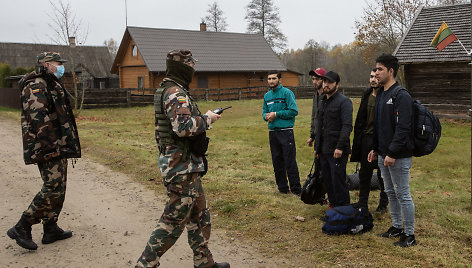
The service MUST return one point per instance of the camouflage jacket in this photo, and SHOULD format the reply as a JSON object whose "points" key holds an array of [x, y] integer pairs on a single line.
{"points": [[47, 122], [186, 122]]}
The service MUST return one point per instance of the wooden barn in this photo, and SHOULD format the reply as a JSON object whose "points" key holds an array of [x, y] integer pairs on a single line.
{"points": [[225, 60], [440, 79], [91, 63]]}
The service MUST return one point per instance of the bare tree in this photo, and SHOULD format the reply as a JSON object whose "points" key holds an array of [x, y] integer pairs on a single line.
{"points": [[112, 46], [215, 20], [68, 31], [65, 24], [263, 17]]}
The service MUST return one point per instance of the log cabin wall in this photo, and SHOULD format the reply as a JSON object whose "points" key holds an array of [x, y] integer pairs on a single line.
{"points": [[445, 87]]}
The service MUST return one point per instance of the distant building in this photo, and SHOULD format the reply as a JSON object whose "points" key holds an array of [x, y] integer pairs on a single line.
{"points": [[440, 79], [92, 64], [226, 60]]}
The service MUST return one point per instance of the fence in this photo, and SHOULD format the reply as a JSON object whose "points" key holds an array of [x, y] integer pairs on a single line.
{"points": [[10, 97], [125, 97]]}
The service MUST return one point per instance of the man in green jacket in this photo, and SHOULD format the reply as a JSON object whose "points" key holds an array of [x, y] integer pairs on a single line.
{"points": [[50, 137], [280, 110]]}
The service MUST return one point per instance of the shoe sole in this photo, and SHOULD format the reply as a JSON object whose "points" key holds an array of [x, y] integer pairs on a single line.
{"points": [[13, 236]]}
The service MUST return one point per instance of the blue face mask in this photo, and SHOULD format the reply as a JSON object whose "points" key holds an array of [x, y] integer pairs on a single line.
{"points": [[60, 71]]}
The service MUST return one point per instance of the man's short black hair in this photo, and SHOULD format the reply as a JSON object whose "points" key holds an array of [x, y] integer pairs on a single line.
{"points": [[389, 61], [374, 69], [279, 74]]}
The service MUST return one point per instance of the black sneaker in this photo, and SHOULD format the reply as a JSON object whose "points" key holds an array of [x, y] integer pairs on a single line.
{"points": [[392, 232], [406, 241]]}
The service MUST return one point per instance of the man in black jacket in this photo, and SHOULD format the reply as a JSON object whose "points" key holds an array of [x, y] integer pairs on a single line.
{"points": [[362, 144], [393, 145], [332, 142]]}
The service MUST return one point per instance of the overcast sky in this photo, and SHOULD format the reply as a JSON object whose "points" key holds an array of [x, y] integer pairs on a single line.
{"points": [[26, 21]]}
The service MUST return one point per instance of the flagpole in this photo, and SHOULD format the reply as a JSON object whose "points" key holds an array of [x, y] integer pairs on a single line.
{"points": [[468, 53]]}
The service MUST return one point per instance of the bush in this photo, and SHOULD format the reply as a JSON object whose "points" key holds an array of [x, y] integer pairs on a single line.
{"points": [[5, 71]]}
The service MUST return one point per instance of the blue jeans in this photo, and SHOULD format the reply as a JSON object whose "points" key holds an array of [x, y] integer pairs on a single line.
{"points": [[397, 187]]}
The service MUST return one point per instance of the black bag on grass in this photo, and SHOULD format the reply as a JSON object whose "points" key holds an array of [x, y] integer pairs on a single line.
{"points": [[313, 190], [353, 180], [347, 220]]}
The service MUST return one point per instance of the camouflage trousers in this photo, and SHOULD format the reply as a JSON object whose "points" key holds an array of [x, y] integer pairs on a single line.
{"points": [[47, 204], [186, 207]]}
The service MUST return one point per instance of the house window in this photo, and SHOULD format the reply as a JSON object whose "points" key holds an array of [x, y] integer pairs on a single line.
{"points": [[261, 79], [102, 84], [135, 51], [202, 82], [140, 82]]}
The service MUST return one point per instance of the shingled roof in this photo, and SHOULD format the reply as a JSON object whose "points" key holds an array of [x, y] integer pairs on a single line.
{"points": [[415, 45], [97, 60], [216, 51]]}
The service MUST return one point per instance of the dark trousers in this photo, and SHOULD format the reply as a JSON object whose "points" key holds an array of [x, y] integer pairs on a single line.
{"points": [[284, 160], [334, 176], [365, 174]]}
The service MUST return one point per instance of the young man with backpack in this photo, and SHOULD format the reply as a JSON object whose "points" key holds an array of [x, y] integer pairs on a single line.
{"points": [[393, 146]]}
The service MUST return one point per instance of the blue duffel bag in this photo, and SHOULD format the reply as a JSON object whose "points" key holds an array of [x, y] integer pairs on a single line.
{"points": [[347, 220]]}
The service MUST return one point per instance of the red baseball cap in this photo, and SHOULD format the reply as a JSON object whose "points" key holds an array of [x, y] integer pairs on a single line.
{"points": [[319, 72]]}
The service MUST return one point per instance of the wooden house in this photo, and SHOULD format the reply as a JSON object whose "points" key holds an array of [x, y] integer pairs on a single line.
{"points": [[225, 60], [91, 63], [440, 79]]}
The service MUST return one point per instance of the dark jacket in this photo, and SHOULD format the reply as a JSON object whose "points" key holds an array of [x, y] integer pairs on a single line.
{"points": [[359, 126], [314, 114], [47, 122], [393, 130], [334, 124]]}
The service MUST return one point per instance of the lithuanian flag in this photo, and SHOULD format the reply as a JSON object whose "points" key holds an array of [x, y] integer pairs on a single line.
{"points": [[443, 37]]}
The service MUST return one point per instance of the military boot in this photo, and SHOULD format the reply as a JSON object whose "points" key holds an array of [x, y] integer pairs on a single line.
{"points": [[220, 265], [21, 232], [52, 233]]}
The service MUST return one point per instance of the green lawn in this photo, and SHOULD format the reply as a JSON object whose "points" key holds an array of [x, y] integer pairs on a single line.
{"points": [[244, 200]]}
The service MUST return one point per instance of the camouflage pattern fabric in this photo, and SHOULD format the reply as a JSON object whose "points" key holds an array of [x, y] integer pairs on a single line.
{"points": [[47, 122], [47, 204], [50, 56], [181, 55], [186, 207], [186, 122]]}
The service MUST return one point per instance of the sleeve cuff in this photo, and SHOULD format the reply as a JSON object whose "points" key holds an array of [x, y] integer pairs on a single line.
{"points": [[207, 120]]}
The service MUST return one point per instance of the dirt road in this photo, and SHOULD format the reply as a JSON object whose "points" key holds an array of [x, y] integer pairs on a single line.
{"points": [[110, 215]]}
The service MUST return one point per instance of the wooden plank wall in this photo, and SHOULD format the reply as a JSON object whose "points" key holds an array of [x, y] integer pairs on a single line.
{"points": [[443, 87]]}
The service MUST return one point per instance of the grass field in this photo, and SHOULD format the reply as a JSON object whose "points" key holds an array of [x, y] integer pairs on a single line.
{"points": [[244, 200]]}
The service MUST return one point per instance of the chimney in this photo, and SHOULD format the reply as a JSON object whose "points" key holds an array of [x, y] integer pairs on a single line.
{"points": [[203, 27], [71, 41]]}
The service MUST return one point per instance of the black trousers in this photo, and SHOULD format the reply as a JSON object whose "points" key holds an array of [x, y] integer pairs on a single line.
{"points": [[365, 174], [334, 176], [284, 160]]}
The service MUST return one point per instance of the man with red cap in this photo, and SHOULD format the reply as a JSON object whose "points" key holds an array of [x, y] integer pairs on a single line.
{"points": [[316, 77]]}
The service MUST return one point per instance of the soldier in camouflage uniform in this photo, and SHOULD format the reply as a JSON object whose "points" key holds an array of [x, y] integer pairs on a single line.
{"points": [[49, 138], [179, 128]]}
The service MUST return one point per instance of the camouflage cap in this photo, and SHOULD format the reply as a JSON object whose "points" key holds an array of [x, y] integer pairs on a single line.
{"points": [[50, 56], [181, 55]]}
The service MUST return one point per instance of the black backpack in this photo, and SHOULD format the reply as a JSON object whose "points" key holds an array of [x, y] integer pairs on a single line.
{"points": [[427, 128], [313, 190]]}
